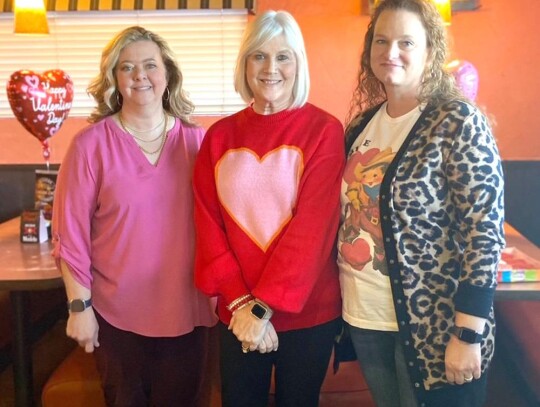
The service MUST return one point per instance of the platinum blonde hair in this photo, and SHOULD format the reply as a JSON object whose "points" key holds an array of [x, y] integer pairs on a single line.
{"points": [[264, 28]]}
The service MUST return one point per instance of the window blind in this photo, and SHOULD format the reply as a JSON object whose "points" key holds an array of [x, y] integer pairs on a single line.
{"points": [[94, 5], [206, 43]]}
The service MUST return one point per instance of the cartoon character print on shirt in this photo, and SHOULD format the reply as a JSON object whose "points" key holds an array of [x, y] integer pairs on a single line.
{"points": [[363, 176]]}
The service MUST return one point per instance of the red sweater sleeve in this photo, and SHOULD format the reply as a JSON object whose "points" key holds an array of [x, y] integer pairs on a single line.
{"points": [[307, 243], [217, 271]]}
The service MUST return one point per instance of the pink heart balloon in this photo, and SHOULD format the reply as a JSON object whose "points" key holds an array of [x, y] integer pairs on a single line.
{"points": [[40, 102], [466, 77]]}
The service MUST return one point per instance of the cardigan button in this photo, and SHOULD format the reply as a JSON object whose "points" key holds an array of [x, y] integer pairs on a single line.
{"points": [[391, 261]]}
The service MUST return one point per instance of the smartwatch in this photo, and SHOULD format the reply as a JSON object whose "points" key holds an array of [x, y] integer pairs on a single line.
{"points": [[79, 305], [466, 334], [260, 311]]}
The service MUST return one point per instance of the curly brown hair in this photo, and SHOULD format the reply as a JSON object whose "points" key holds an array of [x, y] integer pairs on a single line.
{"points": [[438, 85]]}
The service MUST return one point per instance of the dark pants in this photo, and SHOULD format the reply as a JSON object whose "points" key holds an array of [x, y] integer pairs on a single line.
{"points": [[300, 365], [144, 371], [466, 395]]}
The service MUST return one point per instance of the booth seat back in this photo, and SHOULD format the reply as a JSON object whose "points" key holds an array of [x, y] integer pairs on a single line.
{"points": [[519, 329], [75, 383]]}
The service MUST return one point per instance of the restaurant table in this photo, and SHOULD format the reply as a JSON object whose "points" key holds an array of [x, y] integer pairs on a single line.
{"points": [[24, 267], [522, 291]]}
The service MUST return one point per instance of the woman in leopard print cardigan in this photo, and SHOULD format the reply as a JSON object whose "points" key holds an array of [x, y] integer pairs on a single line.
{"points": [[422, 219]]}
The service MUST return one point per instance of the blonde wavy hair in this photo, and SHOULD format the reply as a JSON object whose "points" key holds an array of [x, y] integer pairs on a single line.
{"points": [[103, 88]]}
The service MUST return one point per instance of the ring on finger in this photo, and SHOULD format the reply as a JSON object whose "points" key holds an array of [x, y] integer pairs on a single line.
{"points": [[468, 379], [245, 349]]}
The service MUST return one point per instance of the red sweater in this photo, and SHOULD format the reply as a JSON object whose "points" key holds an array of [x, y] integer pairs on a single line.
{"points": [[267, 211]]}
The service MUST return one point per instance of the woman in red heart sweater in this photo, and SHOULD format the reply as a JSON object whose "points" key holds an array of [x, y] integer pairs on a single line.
{"points": [[267, 182]]}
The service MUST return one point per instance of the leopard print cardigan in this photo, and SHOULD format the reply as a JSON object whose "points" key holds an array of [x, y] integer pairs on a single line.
{"points": [[442, 215]]}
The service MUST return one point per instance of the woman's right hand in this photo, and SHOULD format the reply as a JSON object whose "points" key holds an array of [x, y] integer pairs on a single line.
{"points": [[83, 328]]}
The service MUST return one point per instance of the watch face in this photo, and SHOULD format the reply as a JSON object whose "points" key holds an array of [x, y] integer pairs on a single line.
{"points": [[79, 305], [258, 310], [76, 306]]}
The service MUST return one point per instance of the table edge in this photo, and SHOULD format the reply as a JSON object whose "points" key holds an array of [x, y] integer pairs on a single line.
{"points": [[31, 285]]}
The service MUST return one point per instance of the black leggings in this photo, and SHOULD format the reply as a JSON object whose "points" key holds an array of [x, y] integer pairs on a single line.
{"points": [[300, 365]]}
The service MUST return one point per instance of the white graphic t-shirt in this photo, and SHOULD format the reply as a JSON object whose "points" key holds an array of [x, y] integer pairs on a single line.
{"points": [[365, 285]]}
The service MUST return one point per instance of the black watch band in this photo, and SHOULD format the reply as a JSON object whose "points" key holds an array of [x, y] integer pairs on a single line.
{"points": [[79, 305], [466, 334]]}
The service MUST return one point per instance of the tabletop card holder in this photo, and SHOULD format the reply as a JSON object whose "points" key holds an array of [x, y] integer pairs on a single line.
{"points": [[45, 186], [33, 227]]}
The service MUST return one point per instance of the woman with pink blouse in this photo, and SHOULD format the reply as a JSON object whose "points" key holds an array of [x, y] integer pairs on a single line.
{"points": [[123, 229]]}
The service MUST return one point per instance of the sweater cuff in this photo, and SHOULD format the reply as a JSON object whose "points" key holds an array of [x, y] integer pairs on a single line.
{"points": [[474, 300]]}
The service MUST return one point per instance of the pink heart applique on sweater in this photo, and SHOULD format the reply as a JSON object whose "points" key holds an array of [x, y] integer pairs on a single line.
{"points": [[260, 193]]}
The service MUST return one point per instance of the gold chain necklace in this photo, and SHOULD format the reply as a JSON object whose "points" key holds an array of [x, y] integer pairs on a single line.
{"points": [[130, 131], [163, 136]]}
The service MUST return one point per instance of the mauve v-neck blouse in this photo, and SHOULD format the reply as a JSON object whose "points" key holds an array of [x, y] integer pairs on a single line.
{"points": [[125, 228]]}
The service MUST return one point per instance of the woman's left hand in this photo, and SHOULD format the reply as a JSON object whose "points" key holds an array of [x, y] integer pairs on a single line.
{"points": [[462, 361], [270, 341], [248, 329]]}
